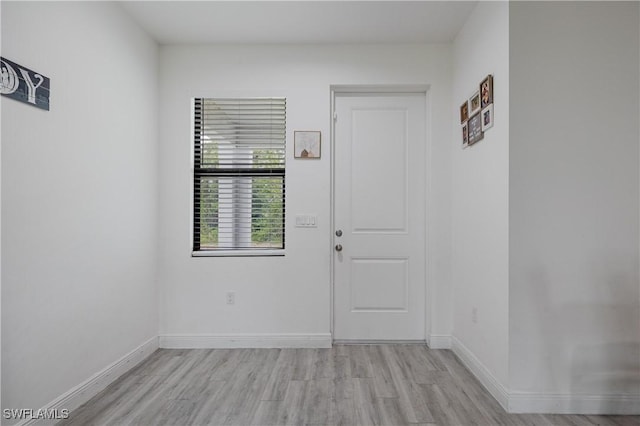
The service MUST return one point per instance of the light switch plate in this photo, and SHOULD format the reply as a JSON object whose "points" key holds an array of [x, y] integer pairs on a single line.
{"points": [[306, 221]]}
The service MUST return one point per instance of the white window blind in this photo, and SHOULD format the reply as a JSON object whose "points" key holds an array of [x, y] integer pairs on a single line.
{"points": [[239, 174]]}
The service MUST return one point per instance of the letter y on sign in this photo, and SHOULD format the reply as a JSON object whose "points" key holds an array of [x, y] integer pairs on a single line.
{"points": [[24, 85]]}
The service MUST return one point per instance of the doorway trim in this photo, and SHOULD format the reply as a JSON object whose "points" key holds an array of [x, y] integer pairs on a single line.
{"points": [[345, 90]]}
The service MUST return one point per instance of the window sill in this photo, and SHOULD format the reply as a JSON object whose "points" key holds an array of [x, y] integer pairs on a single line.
{"points": [[239, 253]]}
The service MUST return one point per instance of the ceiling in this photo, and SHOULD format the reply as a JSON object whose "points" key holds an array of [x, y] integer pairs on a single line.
{"points": [[288, 22]]}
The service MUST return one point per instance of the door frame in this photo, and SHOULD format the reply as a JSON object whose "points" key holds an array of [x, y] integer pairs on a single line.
{"points": [[359, 90]]}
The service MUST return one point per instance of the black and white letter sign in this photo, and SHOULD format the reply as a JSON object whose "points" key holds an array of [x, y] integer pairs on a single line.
{"points": [[23, 84]]}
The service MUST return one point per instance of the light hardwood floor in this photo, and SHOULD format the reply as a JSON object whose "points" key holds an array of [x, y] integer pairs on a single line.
{"points": [[345, 385]]}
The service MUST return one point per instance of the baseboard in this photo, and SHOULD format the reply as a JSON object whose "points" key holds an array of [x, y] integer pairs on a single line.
{"points": [[439, 341], [377, 342], [546, 403], [482, 373], [220, 341], [555, 403], [86, 390]]}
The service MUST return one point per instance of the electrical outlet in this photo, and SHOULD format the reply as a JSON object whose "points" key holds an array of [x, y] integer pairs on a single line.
{"points": [[474, 315], [231, 298]]}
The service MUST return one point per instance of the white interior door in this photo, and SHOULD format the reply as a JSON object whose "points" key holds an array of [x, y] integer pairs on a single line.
{"points": [[379, 175]]}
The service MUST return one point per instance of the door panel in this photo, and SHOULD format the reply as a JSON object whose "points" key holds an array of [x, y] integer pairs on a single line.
{"points": [[379, 285], [379, 275], [379, 170]]}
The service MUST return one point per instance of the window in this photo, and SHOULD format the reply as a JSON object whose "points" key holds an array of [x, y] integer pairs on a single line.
{"points": [[239, 171]]}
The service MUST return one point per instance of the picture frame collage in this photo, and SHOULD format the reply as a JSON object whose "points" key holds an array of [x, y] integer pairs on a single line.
{"points": [[476, 113]]}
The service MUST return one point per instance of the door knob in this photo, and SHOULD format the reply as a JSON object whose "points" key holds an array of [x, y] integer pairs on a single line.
{"points": [[339, 247], [339, 233]]}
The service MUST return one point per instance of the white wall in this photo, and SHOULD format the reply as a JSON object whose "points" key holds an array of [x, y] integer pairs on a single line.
{"points": [[574, 295], [79, 198], [288, 294], [480, 194], [0, 233]]}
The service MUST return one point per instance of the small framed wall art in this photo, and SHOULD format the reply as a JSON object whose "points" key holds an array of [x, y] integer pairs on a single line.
{"points": [[464, 112], [474, 103], [486, 92], [487, 117], [465, 135], [306, 144], [474, 126]]}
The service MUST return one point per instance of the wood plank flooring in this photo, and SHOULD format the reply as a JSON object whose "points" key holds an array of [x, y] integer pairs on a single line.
{"points": [[345, 385]]}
